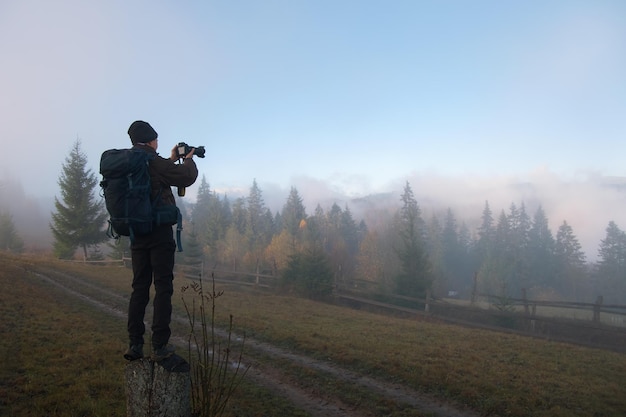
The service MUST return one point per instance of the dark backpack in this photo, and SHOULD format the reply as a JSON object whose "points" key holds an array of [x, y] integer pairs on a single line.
{"points": [[126, 190]]}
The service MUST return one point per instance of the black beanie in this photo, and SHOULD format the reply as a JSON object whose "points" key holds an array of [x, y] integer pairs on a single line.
{"points": [[141, 132]]}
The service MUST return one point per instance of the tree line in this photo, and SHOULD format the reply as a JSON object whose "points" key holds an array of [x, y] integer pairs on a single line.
{"points": [[402, 253]]}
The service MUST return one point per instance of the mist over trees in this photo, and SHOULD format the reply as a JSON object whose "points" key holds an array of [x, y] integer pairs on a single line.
{"points": [[24, 215], [405, 254], [391, 248]]}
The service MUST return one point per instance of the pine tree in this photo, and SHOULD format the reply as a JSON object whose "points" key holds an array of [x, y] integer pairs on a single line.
{"points": [[293, 213], [453, 255], [541, 251], [519, 227], [239, 215], [218, 221], [486, 232], [200, 211], [80, 217], [612, 264], [570, 262], [9, 239], [349, 232], [193, 255], [315, 231], [369, 262], [414, 278], [499, 271], [257, 227], [334, 243], [309, 273], [435, 249]]}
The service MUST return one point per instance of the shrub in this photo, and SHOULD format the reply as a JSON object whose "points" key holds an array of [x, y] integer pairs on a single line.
{"points": [[309, 274]]}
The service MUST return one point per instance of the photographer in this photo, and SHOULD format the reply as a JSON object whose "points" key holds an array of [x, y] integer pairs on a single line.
{"points": [[153, 254]]}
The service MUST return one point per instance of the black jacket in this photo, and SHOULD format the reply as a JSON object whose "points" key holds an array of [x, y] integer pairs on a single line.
{"points": [[165, 173]]}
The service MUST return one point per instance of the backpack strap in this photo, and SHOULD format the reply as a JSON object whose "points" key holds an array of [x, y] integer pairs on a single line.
{"points": [[111, 233], [179, 229]]}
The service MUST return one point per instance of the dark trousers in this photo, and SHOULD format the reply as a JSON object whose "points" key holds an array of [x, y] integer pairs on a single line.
{"points": [[153, 257]]}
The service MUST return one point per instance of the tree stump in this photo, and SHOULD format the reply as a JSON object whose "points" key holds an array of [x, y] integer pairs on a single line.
{"points": [[160, 389]]}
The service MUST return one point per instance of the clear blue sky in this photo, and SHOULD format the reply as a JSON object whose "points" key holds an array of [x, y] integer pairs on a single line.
{"points": [[357, 95]]}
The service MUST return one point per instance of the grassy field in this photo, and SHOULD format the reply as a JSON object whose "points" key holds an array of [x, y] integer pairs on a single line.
{"points": [[57, 357], [62, 357]]}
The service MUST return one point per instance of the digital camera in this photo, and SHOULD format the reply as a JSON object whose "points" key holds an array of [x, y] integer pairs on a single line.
{"points": [[183, 149]]}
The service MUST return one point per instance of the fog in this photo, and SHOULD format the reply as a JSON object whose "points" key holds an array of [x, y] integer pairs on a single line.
{"points": [[587, 201]]}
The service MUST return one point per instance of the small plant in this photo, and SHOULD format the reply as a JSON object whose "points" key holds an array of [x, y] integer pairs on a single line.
{"points": [[504, 303], [212, 382]]}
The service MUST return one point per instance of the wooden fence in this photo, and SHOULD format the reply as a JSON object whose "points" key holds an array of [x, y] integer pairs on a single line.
{"points": [[600, 322]]}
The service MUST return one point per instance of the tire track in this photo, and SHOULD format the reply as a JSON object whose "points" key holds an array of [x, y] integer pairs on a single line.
{"points": [[263, 374]]}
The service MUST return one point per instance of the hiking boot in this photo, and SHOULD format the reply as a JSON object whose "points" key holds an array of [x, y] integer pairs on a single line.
{"points": [[134, 352], [164, 352]]}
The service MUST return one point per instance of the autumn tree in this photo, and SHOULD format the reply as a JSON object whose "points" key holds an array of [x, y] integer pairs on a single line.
{"points": [[280, 249], [80, 217]]}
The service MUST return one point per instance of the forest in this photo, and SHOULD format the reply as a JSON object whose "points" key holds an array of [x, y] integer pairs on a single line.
{"points": [[394, 250]]}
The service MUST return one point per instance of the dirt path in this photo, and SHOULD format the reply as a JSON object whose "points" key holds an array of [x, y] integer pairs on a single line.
{"points": [[263, 373]]}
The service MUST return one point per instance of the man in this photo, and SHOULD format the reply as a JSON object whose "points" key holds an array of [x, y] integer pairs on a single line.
{"points": [[153, 254]]}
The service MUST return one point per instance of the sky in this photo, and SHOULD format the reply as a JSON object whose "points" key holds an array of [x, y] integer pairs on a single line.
{"points": [[464, 99]]}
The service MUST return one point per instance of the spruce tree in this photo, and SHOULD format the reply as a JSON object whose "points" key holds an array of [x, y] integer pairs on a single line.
{"points": [[414, 278], [570, 276], [293, 213], [200, 211], [9, 239], [486, 234], [80, 217], [349, 231], [541, 251], [309, 273], [612, 264], [257, 227]]}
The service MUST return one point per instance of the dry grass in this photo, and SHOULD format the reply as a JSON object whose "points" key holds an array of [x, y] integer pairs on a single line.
{"points": [[493, 373], [60, 357], [489, 371], [56, 357]]}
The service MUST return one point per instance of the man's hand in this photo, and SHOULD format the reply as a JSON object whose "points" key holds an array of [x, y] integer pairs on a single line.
{"points": [[174, 154]]}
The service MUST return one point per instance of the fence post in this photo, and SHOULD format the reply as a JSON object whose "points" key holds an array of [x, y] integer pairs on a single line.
{"points": [[257, 273], [427, 305], [525, 301], [474, 287], [596, 309]]}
